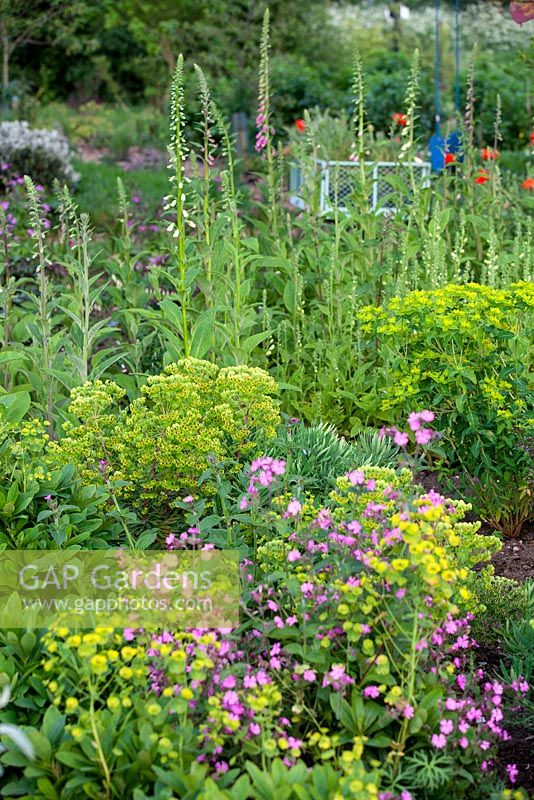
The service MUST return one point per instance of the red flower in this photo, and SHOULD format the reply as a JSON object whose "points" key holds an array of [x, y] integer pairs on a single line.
{"points": [[528, 184], [399, 119], [300, 125], [489, 154], [532, 137], [450, 158], [482, 177]]}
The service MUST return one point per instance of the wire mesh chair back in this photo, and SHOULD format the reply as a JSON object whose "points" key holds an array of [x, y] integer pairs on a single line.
{"points": [[338, 180]]}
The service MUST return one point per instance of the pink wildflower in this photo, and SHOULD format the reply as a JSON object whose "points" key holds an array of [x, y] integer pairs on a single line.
{"points": [[293, 508], [439, 741]]}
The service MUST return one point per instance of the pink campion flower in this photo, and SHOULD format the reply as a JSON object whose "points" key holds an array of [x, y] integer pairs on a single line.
{"points": [[520, 685], [337, 677], [401, 438], [461, 680], [424, 435], [307, 588], [446, 726], [254, 729], [416, 418], [189, 499], [513, 772], [309, 675], [408, 711], [406, 795], [354, 526], [371, 691], [464, 742], [413, 421], [128, 634], [323, 519], [229, 682], [170, 541], [293, 555], [438, 741], [356, 477], [243, 504], [293, 508]]}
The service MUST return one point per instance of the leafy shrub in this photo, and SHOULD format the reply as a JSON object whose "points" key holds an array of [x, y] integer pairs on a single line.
{"points": [[352, 662], [518, 643], [505, 601], [463, 351], [157, 447], [42, 507], [44, 155], [13, 733], [316, 455]]}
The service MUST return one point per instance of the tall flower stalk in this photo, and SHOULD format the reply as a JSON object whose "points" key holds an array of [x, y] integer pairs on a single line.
{"points": [[229, 201], [178, 152], [208, 160], [358, 91], [226, 145], [43, 318], [7, 290], [126, 239], [408, 131], [263, 118]]}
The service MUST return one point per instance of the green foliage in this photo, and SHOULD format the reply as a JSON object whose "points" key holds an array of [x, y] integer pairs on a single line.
{"points": [[464, 352], [156, 449], [503, 601], [518, 663], [316, 455], [42, 507]]}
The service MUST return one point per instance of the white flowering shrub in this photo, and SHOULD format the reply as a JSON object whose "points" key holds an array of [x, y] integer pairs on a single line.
{"points": [[41, 154]]}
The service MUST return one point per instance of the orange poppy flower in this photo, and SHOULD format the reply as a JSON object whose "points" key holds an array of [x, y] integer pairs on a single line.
{"points": [[400, 119]]}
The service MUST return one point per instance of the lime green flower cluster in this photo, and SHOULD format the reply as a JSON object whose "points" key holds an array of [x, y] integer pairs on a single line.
{"points": [[464, 352], [21, 450], [157, 447]]}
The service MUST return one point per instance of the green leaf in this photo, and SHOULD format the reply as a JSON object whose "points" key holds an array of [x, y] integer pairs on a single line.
{"points": [[14, 406], [47, 789], [202, 335]]}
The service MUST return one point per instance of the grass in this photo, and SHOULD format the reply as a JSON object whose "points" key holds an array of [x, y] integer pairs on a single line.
{"points": [[97, 191]]}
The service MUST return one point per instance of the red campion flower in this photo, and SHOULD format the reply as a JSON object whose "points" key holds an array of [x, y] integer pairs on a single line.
{"points": [[528, 184], [399, 119], [300, 125], [532, 138], [489, 154], [482, 177], [450, 158]]}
